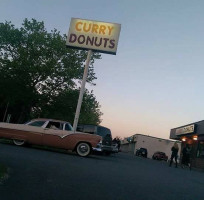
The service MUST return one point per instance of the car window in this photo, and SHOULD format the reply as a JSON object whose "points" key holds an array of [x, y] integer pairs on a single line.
{"points": [[37, 123], [80, 128], [102, 131], [68, 127], [89, 129], [54, 125]]}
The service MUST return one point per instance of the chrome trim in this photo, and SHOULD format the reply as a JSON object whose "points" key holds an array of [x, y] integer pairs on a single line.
{"points": [[96, 149]]}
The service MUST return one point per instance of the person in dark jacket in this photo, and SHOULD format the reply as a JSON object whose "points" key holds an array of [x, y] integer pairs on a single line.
{"points": [[118, 142], [174, 154], [186, 156]]}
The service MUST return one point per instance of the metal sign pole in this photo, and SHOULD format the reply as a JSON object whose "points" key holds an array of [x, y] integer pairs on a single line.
{"points": [[82, 90]]}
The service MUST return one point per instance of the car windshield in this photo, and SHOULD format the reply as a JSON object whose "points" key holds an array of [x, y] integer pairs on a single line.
{"points": [[68, 127]]}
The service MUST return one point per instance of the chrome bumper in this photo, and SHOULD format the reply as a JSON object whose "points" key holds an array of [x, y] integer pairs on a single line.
{"points": [[96, 149], [106, 148], [102, 148]]}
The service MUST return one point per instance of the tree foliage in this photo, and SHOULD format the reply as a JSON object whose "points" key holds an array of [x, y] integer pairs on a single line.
{"points": [[66, 103], [38, 72]]}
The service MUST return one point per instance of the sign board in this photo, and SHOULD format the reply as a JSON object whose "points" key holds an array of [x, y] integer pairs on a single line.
{"points": [[185, 130], [93, 35]]}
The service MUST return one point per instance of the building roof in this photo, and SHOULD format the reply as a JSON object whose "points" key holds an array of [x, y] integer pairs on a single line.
{"points": [[126, 141], [198, 122]]}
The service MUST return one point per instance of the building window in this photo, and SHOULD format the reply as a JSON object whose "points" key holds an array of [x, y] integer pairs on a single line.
{"points": [[200, 152]]}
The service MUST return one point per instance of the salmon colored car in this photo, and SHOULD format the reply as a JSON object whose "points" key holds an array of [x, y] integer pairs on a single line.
{"points": [[49, 132]]}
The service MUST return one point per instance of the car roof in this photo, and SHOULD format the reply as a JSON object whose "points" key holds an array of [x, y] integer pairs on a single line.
{"points": [[46, 119], [92, 125]]}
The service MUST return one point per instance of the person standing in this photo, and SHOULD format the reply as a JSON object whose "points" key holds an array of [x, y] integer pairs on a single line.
{"points": [[186, 156], [118, 142], [174, 154]]}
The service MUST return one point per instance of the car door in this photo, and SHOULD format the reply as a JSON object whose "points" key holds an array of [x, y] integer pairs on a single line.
{"points": [[69, 138], [53, 135], [35, 132]]}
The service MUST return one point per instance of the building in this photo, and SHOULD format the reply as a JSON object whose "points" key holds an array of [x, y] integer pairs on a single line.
{"points": [[192, 134], [152, 144]]}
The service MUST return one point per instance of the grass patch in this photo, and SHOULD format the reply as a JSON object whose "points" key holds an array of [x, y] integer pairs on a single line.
{"points": [[3, 171]]}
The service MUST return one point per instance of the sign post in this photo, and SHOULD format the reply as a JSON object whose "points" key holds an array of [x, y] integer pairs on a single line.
{"points": [[92, 36], [86, 69]]}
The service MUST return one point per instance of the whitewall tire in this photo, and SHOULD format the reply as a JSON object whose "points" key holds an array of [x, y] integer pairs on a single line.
{"points": [[18, 142], [83, 149]]}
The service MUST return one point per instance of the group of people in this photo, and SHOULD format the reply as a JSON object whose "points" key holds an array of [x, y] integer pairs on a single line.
{"points": [[185, 155]]}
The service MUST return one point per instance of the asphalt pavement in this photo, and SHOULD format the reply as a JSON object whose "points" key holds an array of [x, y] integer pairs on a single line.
{"points": [[36, 174]]}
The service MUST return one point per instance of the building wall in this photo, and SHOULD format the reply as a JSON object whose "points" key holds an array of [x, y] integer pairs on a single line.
{"points": [[153, 144]]}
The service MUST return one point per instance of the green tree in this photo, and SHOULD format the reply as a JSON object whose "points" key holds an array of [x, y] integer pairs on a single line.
{"points": [[66, 103], [36, 68]]}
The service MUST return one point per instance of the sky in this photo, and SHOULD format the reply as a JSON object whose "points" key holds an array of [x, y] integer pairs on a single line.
{"points": [[156, 80]]}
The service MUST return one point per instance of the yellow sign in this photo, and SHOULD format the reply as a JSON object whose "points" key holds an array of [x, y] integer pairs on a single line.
{"points": [[94, 35]]}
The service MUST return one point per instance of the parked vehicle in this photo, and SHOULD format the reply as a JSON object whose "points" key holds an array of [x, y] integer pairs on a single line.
{"points": [[141, 152], [160, 156], [105, 133], [49, 132]]}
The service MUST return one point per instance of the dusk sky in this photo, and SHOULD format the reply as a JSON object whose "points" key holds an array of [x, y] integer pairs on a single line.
{"points": [[156, 80]]}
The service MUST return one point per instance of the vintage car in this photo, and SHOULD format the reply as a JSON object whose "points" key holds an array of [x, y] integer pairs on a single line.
{"points": [[160, 156], [141, 152], [49, 132], [105, 133]]}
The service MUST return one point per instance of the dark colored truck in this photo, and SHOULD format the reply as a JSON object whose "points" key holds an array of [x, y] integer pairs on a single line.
{"points": [[106, 145]]}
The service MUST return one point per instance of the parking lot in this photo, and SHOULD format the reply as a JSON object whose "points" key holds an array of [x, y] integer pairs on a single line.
{"points": [[41, 174]]}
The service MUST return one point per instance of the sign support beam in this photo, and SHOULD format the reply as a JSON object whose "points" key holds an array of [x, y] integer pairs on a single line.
{"points": [[86, 69]]}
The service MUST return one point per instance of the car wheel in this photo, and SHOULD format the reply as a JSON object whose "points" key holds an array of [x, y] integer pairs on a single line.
{"points": [[83, 149], [19, 142]]}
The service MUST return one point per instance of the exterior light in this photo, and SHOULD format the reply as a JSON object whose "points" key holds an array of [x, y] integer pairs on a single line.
{"points": [[183, 139], [195, 137]]}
